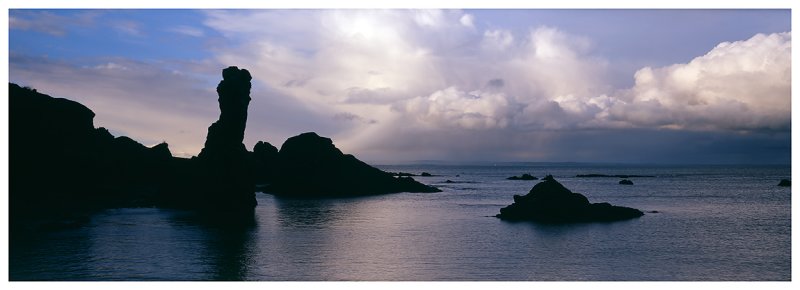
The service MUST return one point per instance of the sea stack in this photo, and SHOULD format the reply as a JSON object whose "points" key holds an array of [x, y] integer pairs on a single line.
{"points": [[229, 179], [226, 134]]}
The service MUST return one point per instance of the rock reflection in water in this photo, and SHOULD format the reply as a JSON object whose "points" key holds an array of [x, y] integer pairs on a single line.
{"points": [[308, 212], [228, 242]]}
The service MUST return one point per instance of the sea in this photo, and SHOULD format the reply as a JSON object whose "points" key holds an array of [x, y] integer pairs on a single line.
{"points": [[701, 223]]}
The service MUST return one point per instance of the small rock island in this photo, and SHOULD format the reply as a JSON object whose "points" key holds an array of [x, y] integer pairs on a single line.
{"points": [[626, 182], [551, 202], [525, 176]]}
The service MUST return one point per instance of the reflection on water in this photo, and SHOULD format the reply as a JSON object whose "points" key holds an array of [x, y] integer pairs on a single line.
{"points": [[228, 241], [730, 225], [307, 212], [141, 244], [321, 213], [52, 255], [314, 239]]}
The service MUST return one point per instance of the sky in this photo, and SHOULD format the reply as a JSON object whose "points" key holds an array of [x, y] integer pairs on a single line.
{"points": [[403, 85]]}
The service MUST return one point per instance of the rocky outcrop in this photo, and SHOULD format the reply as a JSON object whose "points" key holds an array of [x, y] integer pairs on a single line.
{"points": [[265, 159], [221, 176], [551, 202], [402, 174], [311, 166], [525, 176], [85, 167], [626, 182], [60, 164], [225, 136], [785, 183]]}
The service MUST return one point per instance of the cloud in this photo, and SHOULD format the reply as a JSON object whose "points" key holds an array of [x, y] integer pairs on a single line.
{"points": [[343, 57], [467, 20], [431, 83], [188, 31], [430, 17], [496, 83], [48, 22], [349, 117], [432, 74], [353, 59], [741, 85], [470, 110], [131, 28], [497, 39]]}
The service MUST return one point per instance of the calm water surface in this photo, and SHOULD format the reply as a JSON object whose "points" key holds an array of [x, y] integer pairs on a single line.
{"points": [[712, 223]]}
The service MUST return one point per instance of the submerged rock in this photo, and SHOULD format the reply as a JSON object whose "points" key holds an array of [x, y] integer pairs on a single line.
{"points": [[551, 202], [785, 183], [626, 182], [525, 176], [310, 165]]}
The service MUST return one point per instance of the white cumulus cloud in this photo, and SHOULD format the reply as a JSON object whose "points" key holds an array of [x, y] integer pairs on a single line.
{"points": [[741, 85], [467, 20], [471, 110]]}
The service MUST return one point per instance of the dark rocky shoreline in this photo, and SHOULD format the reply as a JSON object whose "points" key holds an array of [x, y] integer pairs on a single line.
{"points": [[60, 165]]}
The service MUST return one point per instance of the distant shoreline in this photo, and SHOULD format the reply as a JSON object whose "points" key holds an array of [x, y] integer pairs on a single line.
{"points": [[569, 164]]}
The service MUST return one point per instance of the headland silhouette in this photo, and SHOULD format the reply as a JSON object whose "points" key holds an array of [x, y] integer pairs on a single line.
{"points": [[61, 165]]}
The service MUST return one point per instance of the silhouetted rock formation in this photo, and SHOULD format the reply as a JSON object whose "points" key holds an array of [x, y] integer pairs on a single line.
{"points": [[59, 164], [265, 158], [425, 174], [525, 176], [226, 134], [550, 202], [311, 166], [626, 182], [401, 174], [606, 175], [221, 177], [785, 183]]}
